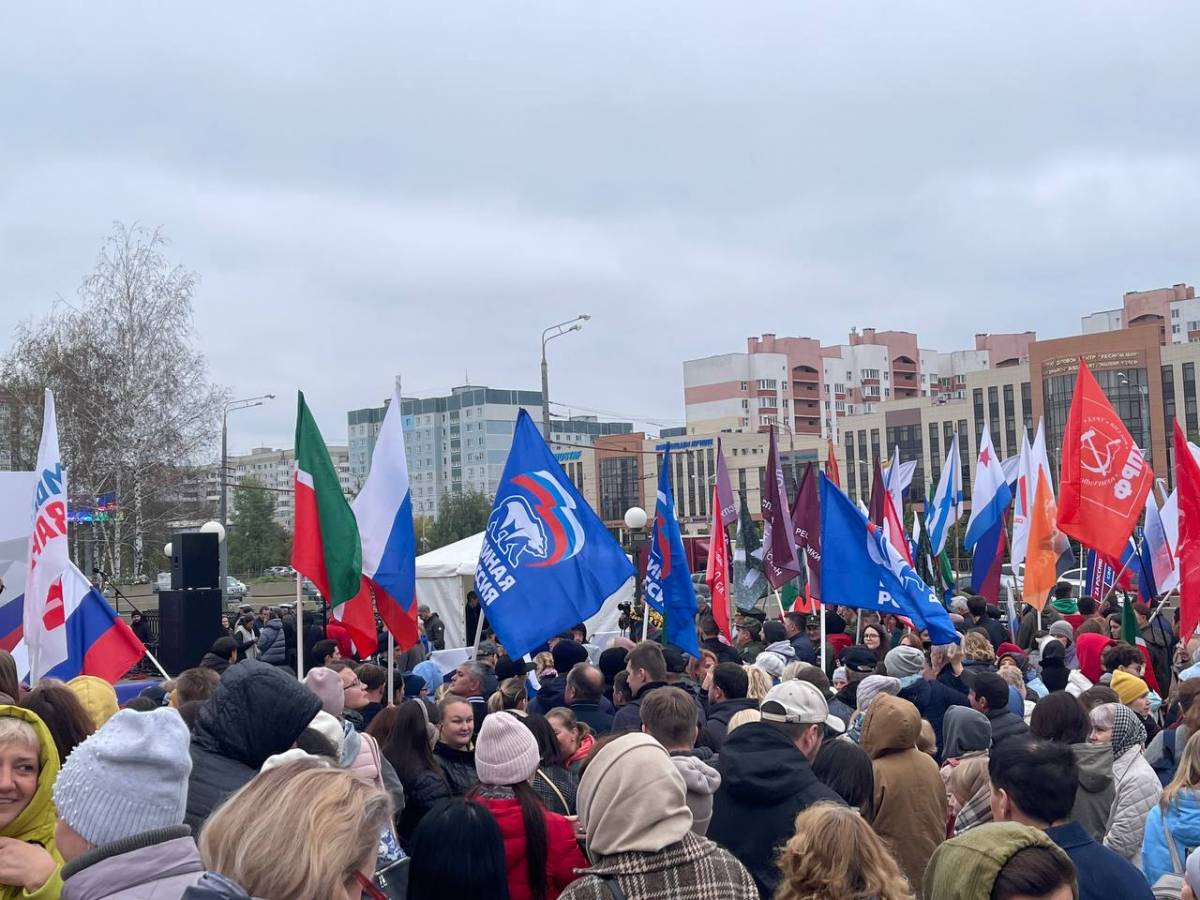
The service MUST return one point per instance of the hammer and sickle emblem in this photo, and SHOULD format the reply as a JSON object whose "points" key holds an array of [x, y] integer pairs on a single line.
{"points": [[1103, 459]]}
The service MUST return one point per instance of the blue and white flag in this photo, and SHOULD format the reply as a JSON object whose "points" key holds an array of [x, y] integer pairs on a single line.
{"points": [[669, 587], [547, 561], [44, 616], [946, 507], [861, 569]]}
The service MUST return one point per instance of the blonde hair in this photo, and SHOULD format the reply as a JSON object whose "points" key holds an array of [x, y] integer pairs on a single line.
{"points": [[927, 740], [543, 661], [1187, 773], [742, 717], [440, 693], [835, 853], [793, 669], [977, 647], [337, 817], [18, 731], [510, 695], [566, 716], [760, 682]]}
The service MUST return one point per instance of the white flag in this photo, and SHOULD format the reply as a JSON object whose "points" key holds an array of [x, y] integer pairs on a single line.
{"points": [[44, 617]]}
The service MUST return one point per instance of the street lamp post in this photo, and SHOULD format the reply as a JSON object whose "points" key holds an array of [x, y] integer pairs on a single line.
{"points": [[230, 406], [554, 331], [635, 522]]}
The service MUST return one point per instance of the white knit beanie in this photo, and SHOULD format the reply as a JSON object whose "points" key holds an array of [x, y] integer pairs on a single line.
{"points": [[506, 752], [129, 777]]}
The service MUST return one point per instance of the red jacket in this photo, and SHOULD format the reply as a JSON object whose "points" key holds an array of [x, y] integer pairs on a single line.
{"points": [[563, 855], [336, 631]]}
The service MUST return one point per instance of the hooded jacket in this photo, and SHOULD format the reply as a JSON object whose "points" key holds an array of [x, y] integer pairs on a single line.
{"points": [[765, 783], [256, 712], [633, 810], [35, 823], [932, 699], [910, 799], [966, 867], [1005, 724], [272, 647], [160, 863], [1094, 798], [965, 730], [1088, 648], [562, 851], [712, 735], [702, 781]]}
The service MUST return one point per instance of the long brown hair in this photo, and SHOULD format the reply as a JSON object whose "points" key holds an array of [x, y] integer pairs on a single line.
{"points": [[835, 853]]}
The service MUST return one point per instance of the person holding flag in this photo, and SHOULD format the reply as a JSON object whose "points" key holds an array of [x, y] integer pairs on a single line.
{"points": [[668, 587]]}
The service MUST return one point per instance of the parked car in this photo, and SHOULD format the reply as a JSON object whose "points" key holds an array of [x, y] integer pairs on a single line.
{"points": [[280, 571], [162, 582], [234, 589]]}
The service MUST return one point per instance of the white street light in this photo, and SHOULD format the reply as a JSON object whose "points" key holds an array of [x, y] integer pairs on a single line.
{"points": [[635, 518], [214, 528], [167, 550], [549, 334]]}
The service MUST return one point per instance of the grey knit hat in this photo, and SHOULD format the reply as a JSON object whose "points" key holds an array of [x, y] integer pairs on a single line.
{"points": [[129, 777], [903, 661]]}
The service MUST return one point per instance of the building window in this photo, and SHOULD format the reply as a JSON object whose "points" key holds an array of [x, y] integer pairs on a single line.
{"points": [[1010, 421], [935, 454], [851, 480], [908, 439], [1174, 329], [1027, 406], [875, 455], [1189, 400], [1168, 392], [977, 398], [994, 413], [744, 385], [1174, 314], [964, 456], [619, 486]]}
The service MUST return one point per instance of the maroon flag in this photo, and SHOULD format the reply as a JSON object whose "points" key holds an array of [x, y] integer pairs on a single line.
{"points": [[729, 510], [780, 562], [806, 522]]}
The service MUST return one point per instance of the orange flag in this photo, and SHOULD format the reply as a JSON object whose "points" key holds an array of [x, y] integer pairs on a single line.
{"points": [[831, 464], [1041, 554]]}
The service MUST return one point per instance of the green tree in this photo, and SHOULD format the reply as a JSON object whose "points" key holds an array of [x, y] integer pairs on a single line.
{"points": [[256, 540], [459, 516]]}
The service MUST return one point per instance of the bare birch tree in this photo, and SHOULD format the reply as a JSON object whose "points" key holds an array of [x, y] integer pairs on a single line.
{"points": [[136, 409]]}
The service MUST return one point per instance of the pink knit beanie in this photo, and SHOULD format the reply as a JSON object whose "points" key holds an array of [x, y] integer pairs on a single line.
{"points": [[506, 752], [327, 684]]}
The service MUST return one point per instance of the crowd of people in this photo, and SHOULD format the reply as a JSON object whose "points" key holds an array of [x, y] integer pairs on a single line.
{"points": [[1040, 758]]}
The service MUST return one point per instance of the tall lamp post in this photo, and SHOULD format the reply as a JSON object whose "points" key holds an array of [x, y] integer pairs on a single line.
{"points": [[635, 522], [230, 406], [554, 331]]}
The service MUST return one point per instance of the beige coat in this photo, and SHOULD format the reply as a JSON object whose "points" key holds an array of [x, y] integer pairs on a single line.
{"points": [[910, 798]]}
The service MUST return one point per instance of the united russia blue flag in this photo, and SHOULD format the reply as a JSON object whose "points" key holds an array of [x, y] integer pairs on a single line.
{"points": [[547, 561], [669, 587], [861, 569]]}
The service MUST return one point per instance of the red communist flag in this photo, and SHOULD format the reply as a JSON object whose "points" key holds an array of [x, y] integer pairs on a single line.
{"points": [[1187, 485], [1104, 478]]}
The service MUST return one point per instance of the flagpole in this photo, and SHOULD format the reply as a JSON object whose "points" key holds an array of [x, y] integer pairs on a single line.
{"points": [[392, 667], [158, 666], [478, 632], [299, 631], [645, 619], [821, 618]]}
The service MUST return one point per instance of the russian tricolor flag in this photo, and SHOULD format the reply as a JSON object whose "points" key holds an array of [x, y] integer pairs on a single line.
{"points": [[385, 526], [98, 640]]}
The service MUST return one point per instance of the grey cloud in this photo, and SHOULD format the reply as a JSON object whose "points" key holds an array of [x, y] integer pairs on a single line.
{"points": [[384, 189]]}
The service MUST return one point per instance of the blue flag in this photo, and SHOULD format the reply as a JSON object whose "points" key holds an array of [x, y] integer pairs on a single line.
{"points": [[669, 587], [547, 561], [861, 569]]}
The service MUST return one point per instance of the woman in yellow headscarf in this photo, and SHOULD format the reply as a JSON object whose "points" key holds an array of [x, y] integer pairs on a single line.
{"points": [[29, 861]]}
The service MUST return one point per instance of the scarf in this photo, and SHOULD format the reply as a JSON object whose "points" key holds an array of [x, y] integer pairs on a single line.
{"points": [[1127, 731], [1066, 606]]}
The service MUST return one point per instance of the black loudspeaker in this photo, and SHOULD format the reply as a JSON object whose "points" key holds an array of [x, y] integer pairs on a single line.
{"points": [[195, 561], [188, 623]]}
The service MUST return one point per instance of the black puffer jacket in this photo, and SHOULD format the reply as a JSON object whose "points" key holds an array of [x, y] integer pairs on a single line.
{"points": [[420, 795], [256, 712], [765, 783], [712, 735], [459, 768]]}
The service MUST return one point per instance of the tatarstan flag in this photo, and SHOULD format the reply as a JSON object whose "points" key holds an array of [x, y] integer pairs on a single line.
{"points": [[326, 547]]}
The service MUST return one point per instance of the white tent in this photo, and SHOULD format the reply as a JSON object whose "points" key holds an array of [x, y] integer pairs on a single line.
{"points": [[445, 575]]}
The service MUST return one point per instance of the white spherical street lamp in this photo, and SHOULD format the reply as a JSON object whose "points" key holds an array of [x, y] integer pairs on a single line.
{"points": [[167, 550], [214, 528], [635, 518]]}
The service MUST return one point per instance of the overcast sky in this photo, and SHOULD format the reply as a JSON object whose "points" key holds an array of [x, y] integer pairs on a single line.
{"points": [[419, 189]]}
